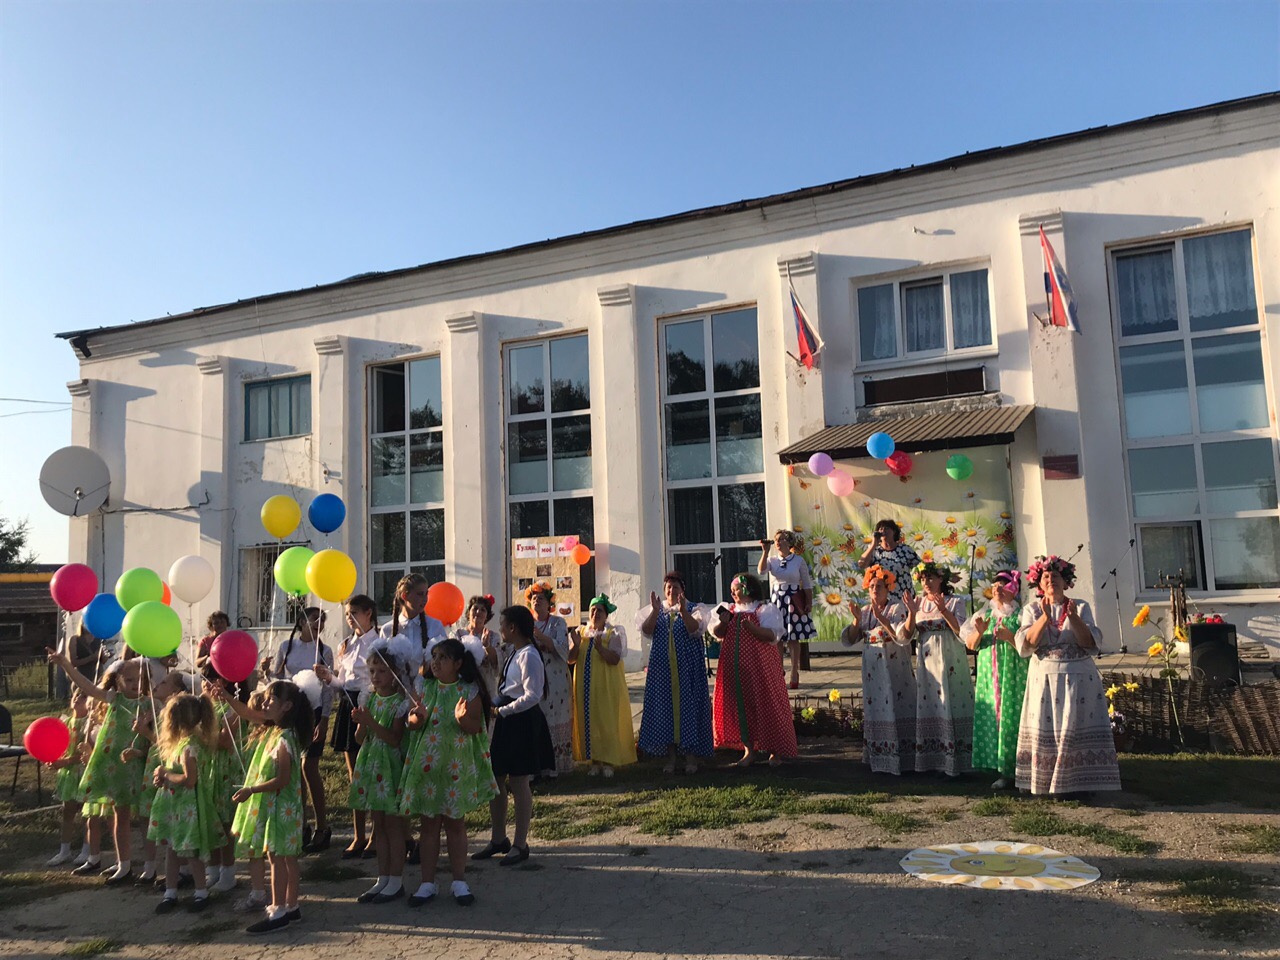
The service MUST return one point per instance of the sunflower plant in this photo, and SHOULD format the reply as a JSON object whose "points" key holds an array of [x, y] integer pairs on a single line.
{"points": [[1164, 656]]}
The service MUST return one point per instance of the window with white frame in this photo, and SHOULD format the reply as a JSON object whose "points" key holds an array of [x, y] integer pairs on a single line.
{"points": [[406, 475], [277, 408], [924, 316], [262, 603], [1200, 446], [714, 453], [549, 490]]}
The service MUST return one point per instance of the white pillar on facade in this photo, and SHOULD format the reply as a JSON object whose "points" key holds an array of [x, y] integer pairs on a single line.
{"points": [[216, 540], [802, 410]]}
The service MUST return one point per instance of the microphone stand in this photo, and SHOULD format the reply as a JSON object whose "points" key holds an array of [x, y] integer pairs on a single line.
{"points": [[715, 563], [1114, 578]]}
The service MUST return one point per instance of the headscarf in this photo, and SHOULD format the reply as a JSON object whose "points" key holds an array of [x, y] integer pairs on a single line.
{"points": [[603, 601]]}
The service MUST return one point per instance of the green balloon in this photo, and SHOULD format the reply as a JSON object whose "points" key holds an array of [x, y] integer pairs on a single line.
{"points": [[152, 629], [959, 467], [138, 585], [291, 570]]}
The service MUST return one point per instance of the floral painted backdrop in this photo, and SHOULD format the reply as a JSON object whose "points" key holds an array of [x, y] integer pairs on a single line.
{"points": [[957, 523]]}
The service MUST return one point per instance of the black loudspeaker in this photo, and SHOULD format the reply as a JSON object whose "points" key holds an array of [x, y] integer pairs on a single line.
{"points": [[1215, 656]]}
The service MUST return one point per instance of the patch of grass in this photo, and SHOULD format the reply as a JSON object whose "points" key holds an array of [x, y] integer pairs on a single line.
{"points": [[894, 823], [997, 806], [944, 815], [1038, 820], [1257, 838], [92, 948], [820, 825], [19, 889], [1187, 779], [327, 871], [1223, 902]]}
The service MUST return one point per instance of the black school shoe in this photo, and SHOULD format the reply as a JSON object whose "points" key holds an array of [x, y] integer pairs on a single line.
{"points": [[294, 915], [88, 868], [167, 905], [116, 880], [267, 925], [492, 849], [516, 855], [198, 904], [417, 901], [388, 897]]}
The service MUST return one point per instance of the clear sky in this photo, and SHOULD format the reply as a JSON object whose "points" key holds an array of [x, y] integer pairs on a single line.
{"points": [[161, 156]]}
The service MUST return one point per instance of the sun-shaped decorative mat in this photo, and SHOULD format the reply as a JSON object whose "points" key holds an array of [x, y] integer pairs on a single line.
{"points": [[999, 865]]}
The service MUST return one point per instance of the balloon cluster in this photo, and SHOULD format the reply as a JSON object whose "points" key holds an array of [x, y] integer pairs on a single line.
{"points": [[329, 574], [839, 482], [881, 446]]}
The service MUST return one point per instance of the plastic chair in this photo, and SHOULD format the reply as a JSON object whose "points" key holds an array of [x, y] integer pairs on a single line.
{"points": [[17, 752]]}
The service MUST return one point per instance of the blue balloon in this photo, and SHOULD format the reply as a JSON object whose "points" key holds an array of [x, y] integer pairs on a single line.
{"points": [[880, 446], [104, 616], [327, 512]]}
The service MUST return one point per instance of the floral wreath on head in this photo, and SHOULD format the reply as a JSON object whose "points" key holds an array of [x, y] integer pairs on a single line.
{"points": [[930, 568], [539, 589], [1041, 564], [878, 572]]}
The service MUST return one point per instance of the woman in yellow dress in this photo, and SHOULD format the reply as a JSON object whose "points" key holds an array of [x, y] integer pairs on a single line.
{"points": [[602, 731]]}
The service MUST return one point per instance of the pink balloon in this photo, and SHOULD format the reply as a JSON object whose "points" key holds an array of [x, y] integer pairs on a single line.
{"points": [[234, 654], [899, 463], [568, 543], [840, 483], [73, 586], [820, 465], [47, 739]]}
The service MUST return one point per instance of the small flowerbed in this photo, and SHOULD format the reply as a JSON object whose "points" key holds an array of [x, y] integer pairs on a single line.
{"points": [[836, 715]]}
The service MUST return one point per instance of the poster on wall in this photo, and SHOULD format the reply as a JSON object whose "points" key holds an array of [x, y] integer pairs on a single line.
{"points": [[540, 560], [965, 525]]}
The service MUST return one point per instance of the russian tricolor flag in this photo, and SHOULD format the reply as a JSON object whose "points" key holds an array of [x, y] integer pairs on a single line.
{"points": [[1057, 289], [807, 341]]}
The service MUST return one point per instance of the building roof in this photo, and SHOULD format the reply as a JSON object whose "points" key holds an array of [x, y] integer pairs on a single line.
{"points": [[80, 337], [916, 434]]}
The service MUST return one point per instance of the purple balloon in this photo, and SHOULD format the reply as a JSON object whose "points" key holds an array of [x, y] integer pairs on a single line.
{"points": [[820, 465]]}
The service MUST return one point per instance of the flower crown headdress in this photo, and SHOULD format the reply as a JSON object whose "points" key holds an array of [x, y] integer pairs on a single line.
{"points": [[1041, 564], [538, 589], [878, 572], [930, 568]]}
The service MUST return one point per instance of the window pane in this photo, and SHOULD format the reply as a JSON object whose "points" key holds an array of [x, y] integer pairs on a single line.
{"points": [[576, 516], [1230, 392], [689, 516], [1169, 549], [527, 457], [386, 472], [388, 399], [300, 406], [571, 453], [570, 377], [970, 309], [531, 519], [922, 317], [1246, 553], [426, 535], [688, 430], [426, 408], [1153, 378], [281, 392], [426, 468], [384, 588], [386, 536], [699, 576], [1163, 481], [735, 350], [1144, 293], [434, 572], [738, 444], [1239, 475], [742, 512], [877, 336], [1220, 281], [736, 560], [256, 422], [686, 358], [524, 379]]}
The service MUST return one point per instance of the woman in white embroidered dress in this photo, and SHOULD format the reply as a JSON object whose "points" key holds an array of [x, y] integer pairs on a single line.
{"points": [[1065, 744], [551, 637]]}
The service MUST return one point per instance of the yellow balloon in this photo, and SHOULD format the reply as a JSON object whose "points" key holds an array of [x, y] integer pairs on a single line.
{"points": [[331, 576], [281, 515]]}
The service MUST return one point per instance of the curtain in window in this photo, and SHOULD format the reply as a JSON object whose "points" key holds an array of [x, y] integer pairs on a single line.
{"points": [[876, 337], [970, 309], [923, 315], [1220, 280], [1144, 291]]}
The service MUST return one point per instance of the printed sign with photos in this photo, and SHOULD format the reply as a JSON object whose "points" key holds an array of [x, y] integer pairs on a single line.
{"points": [[543, 560]]}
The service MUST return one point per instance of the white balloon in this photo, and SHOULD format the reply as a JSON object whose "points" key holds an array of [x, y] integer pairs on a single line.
{"points": [[191, 578]]}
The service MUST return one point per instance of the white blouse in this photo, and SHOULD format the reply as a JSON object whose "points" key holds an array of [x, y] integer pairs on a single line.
{"points": [[790, 571], [523, 679], [418, 645], [929, 616], [351, 672], [770, 617], [292, 659], [617, 644], [873, 631], [1058, 641], [700, 612], [993, 612]]}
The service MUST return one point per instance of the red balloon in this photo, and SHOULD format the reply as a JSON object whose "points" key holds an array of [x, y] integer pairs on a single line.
{"points": [[445, 602], [47, 739], [167, 596], [580, 554], [234, 654], [73, 586], [899, 463]]}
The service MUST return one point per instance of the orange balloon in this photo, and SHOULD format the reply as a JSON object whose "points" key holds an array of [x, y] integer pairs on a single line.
{"points": [[445, 602], [580, 554], [167, 597]]}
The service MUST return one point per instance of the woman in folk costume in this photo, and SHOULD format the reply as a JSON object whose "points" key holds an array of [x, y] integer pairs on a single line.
{"points": [[551, 637], [1065, 744], [677, 701], [888, 685], [602, 731], [751, 708], [944, 692], [1002, 678], [792, 594]]}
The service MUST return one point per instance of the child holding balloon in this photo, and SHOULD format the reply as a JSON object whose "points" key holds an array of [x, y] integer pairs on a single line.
{"points": [[146, 746], [69, 771], [109, 779]]}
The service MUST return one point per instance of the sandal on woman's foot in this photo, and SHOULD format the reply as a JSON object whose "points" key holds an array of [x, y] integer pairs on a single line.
{"points": [[793, 685], [492, 848], [516, 855], [354, 851]]}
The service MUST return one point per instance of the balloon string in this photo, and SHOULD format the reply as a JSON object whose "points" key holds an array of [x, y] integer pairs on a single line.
{"points": [[226, 720], [191, 626]]}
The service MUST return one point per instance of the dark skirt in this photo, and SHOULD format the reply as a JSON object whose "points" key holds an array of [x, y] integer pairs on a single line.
{"points": [[521, 745], [343, 735]]}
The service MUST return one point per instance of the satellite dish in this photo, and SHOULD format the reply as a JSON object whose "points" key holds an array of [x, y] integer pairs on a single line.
{"points": [[74, 481]]}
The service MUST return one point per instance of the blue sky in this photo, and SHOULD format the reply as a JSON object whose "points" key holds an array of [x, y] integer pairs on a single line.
{"points": [[156, 157]]}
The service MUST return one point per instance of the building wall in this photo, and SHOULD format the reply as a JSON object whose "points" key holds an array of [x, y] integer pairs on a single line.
{"points": [[163, 403]]}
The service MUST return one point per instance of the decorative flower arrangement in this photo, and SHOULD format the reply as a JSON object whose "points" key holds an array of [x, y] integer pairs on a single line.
{"points": [[829, 719], [1211, 618], [1119, 723], [1164, 656]]}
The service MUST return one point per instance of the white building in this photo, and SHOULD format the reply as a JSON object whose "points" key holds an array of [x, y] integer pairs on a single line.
{"points": [[419, 395]]}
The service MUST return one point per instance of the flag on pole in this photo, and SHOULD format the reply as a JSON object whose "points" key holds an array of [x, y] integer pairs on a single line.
{"points": [[808, 342], [1057, 289]]}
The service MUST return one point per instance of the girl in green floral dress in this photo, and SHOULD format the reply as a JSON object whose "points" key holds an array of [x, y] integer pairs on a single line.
{"points": [[67, 781], [375, 778], [268, 821], [447, 773], [182, 814], [146, 747], [227, 769], [108, 778], [1002, 679]]}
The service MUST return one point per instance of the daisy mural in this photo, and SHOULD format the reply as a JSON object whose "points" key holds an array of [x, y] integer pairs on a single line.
{"points": [[968, 528]]}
